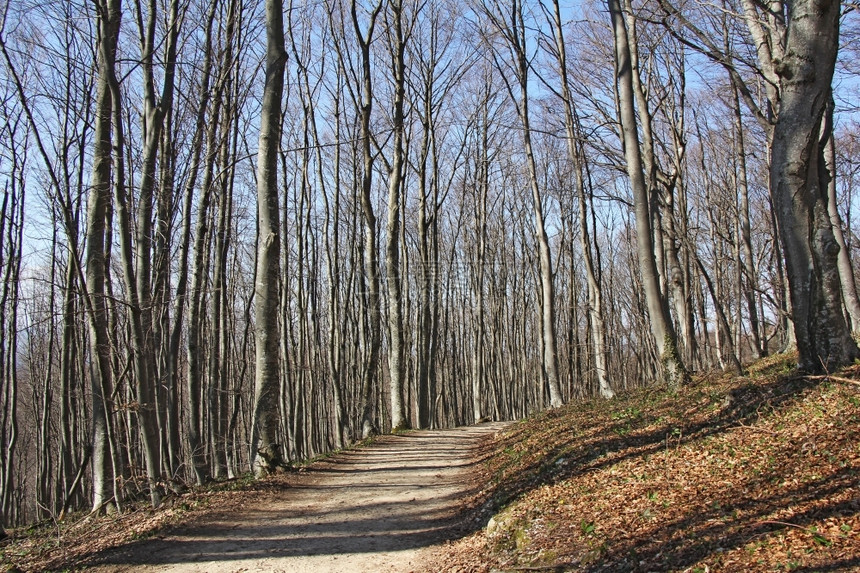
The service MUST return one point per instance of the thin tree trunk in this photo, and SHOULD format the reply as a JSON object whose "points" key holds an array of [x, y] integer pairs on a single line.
{"points": [[748, 284], [577, 157], [396, 343], [846, 270], [515, 34], [219, 349], [673, 371], [181, 296], [267, 452]]}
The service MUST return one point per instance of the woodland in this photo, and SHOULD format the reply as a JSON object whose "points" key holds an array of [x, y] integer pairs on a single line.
{"points": [[238, 235]]}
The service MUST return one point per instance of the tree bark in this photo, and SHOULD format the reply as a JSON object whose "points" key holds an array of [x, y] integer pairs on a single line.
{"points": [[267, 452], [396, 343], [673, 371], [846, 270], [799, 184], [109, 16], [371, 262]]}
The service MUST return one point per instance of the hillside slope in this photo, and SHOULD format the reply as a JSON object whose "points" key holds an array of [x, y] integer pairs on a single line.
{"points": [[754, 473]]}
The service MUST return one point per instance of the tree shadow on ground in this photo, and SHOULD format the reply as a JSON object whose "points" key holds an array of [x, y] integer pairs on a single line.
{"points": [[691, 534]]}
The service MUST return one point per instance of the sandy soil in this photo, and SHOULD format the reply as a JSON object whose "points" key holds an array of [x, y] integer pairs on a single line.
{"points": [[380, 508]]}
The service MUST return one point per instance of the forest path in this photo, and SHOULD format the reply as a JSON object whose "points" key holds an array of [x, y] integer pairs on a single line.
{"points": [[378, 508]]}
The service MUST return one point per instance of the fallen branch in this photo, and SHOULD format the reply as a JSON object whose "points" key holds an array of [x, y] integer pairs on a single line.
{"points": [[755, 429], [815, 534], [835, 379]]}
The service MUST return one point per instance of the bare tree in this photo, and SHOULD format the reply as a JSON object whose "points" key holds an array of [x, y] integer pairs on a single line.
{"points": [[109, 14], [576, 156], [674, 372], [398, 33], [846, 271], [267, 452], [799, 181], [371, 298]]}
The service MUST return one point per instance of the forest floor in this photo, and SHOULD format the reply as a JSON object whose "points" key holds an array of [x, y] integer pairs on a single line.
{"points": [[374, 508], [759, 472], [749, 473]]}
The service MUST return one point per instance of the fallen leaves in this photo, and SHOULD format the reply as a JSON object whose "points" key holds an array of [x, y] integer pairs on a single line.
{"points": [[733, 474]]}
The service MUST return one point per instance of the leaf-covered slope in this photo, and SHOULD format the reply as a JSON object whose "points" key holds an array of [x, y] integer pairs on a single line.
{"points": [[754, 473]]}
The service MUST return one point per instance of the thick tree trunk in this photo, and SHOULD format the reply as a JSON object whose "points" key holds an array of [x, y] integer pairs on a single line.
{"points": [[799, 181], [371, 262]]}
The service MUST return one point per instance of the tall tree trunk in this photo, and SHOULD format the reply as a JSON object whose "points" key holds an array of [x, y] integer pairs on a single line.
{"points": [[396, 343], [219, 353], [428, 271], [371, 262], [576, 155], [138, 268], [166, 392], [514, 33], [109, 15], [482, 185], [45, 463], [749, 283], [846, 270], [267, 452], [197, 140], [673, 371]]}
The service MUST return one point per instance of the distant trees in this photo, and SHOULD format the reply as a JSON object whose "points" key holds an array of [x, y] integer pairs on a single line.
{"points": [[191, 212]]}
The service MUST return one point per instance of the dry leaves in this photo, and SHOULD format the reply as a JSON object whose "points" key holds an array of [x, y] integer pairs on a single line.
{"points": [[760, 473]]}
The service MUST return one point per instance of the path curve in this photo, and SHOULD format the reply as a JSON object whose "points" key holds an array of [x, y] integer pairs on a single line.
{"points": [[378, 508]]}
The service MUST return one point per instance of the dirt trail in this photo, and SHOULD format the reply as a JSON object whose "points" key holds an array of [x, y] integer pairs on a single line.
{"points": [[379, 508]]}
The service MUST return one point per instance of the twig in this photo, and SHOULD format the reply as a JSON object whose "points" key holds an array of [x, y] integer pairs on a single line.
{"points": [[794, 525], [835, 379], [556, 567], [753, 428]]}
